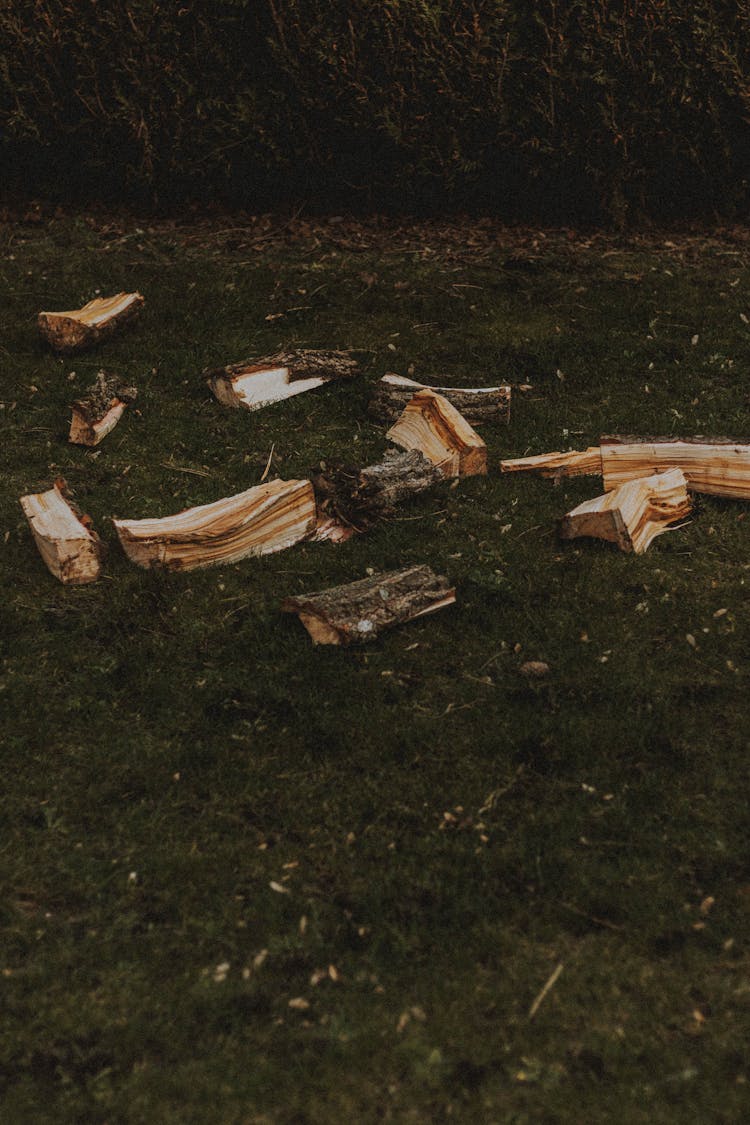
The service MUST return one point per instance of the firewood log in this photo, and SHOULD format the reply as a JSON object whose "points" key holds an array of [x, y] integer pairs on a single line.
{"points": [[718, 466], [98, 413], [66, 540], [359, 611], [266, 518], [430, 424], [571, 464], [82, 328], [475, 404], [257, 382], [357, 498], [632, 514]]}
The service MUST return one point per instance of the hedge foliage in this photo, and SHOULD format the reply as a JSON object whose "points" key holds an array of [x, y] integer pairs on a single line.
{"points": [[544, 109]]}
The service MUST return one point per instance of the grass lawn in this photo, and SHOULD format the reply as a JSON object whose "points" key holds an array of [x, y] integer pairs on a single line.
{"points": [[251, 881]]}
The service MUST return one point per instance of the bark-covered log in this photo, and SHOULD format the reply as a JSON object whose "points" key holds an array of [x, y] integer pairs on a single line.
{"points": [[430, 424], [77, 329], [357, 498], [257, 382], [267, 518], [571, 464], [359, 611], [66, 540], [477, 404], [633, 514], [98, 413], [717, 466]]}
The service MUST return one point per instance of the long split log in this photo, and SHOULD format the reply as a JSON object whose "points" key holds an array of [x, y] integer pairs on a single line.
{"points": [[71, 549], [96, 415], [357, 498], [266, 518], [633, 514], [717, 466], [359, 611], [77, 329], [254, 383], [476, 404], [571, 464], [430, 424]]}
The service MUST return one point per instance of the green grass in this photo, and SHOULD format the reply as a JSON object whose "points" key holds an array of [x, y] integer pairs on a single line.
{"points": [[445, 831]]}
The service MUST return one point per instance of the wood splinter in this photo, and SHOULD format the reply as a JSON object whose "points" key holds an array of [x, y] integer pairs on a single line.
{"points": [[71, 549], [476, 404], [254, 383], [633, 514], [359, 611], [77, 329], [98, 413], [430, 424], [570, 464]]}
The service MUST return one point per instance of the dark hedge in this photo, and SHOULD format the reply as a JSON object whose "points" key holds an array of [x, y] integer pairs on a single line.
{"points": [[542, 109]]}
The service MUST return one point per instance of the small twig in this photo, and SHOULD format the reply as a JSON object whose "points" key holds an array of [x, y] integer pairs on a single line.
{"points": [[547, 988], [268, 462], [180, 469]]}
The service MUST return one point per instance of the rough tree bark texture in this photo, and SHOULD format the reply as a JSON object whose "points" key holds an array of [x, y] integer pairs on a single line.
{"points": [[476, 404], [718, 466], [77, 329], [430, 424], [359, 611], [633, 514], [359, 497], [253, 383], [98, 413], [66, 540]]}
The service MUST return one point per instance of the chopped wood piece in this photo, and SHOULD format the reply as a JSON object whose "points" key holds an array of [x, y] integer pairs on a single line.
{"points": [[571, 464], [66, 540], [718, 466], [257, 382], [81, 328], [357, 498], [634, 513], [269, 517], [359, 611], [430, 424], [99, 412], [476, 404]]}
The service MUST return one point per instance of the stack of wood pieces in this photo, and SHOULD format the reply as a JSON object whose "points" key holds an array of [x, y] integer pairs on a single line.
{"points": [[254, 383], [97, 414], [632, 514], [360, 611], [476, 404], [65, 537], [76, 329], [267, 518]]}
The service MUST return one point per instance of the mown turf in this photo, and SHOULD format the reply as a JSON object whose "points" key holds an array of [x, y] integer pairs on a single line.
{"points": [[205, 818]]}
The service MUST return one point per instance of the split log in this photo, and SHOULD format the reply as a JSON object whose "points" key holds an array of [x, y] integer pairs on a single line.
{"points": [[267, 518], [633, 514], [476, 404], [82, 328], [571, 464], [717, 466], [359, 611], [257, 382], [65, 537], [98, 413], [430, 424], [357, 498]]}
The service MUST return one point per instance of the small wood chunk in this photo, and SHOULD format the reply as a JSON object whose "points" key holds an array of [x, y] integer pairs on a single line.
{"points": [[717, 466], [269, 517], [98, 413], [571, 464], [254, 383], [82, 328], [359, 611], [66, 540], [430, 424], [356, 498], [633, 514], [477, 404]]}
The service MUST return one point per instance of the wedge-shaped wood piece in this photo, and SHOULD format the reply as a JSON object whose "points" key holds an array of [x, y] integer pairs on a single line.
{"points": [[82, 328], [571, 464], [476, 404], [361, 610], [257, 382], [66, 540], [718, 466], [98, 413], [430, 424], [354, 499], [634, 513], [269, 517]]}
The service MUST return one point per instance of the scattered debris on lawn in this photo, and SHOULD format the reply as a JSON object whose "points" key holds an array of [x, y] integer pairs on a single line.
{"points": [[534, 669], [65, 537], [253, 383], [430, 424], [77, 329], [476, 404], [266, 518], [359, 611], [98, 413], [633, 514]]}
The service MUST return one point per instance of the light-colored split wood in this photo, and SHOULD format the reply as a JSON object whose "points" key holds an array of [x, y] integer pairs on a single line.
{"points": [[476, 404], [71, 549], [431, 425], [254, 383], [633, 514], [77, 329], [717, 466], [96, 415], [572, 464]]}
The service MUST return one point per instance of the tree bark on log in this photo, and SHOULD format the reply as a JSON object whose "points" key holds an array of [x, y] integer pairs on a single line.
{"points": [[96, 415], [633, 514], [716, 466], [360, 611], [77, 329], [476, 404], [254, 383], [357, 498], [71, 549], [430, 424], [571, 464]]}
